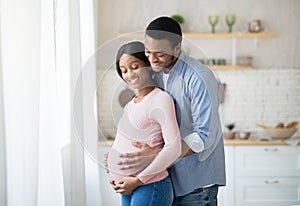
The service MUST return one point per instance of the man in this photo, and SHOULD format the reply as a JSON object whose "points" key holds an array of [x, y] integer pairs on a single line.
{"points": [[201, 170]]}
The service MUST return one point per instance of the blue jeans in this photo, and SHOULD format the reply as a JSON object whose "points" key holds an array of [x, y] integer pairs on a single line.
{"points": [[154, 194], [200, 197]]}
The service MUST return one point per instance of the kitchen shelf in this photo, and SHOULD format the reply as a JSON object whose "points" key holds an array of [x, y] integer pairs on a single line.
{"points": [[232, 36], [221, 67], [108, 143], [210, 35]]}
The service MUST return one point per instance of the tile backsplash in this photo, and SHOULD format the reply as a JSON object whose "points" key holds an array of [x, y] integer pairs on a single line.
{"points": [[265, 96], [252, 96]]}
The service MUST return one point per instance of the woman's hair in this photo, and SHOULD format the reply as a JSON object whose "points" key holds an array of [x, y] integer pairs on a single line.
{"points": [[165, 28], [136, 49]]}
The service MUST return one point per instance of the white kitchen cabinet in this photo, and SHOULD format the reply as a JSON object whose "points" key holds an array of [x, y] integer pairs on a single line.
{"points": [[267, 175], [226, 194], [267, 161], [267, 191], [256, 176]]}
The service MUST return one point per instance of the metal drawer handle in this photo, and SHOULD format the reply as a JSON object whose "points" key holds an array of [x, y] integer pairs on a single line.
{"points": [[271, 149], [271, 182]]}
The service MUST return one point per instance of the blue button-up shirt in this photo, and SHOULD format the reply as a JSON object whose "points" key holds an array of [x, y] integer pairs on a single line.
{"points": [[194, 89]]}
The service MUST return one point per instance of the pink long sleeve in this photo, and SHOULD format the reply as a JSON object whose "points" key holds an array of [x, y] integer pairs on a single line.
{"points": [[164, 114], [152, 121]]}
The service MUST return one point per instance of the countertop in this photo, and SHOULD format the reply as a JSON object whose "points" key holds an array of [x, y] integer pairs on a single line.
{"points": [[254, 142], [234, 142]]}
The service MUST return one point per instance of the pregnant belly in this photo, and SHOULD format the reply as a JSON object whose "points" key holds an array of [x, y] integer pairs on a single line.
{"points": [[115, 170]]}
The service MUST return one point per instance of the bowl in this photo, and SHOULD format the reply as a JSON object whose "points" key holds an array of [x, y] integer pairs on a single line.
{"points": [[243, 135], [229, 135], [281, 133]]}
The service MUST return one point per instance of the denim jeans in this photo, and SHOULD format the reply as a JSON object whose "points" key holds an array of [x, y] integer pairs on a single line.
{"points": [[154, 194], [207, 196]]}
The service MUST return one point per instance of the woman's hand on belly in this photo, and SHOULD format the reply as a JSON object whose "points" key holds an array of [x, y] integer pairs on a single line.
{"points": [[127, 185]]}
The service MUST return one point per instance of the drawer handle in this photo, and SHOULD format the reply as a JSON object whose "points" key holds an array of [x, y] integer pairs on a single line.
{"points": [[271, 149], [271, 182]]}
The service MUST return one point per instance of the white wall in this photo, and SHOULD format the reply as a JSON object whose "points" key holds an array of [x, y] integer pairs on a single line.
{"points": [[280, 16], [261, 95], [252, 96], [267, 93]]}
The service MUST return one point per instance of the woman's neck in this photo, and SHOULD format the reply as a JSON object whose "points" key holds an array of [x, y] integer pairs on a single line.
{"points": [[143, 92]]}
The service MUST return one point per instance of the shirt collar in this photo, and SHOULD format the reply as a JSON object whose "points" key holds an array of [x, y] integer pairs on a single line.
{"points": [[180, 62]]}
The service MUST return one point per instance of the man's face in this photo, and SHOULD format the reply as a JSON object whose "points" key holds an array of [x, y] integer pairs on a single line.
{"points": [[161, 54]]}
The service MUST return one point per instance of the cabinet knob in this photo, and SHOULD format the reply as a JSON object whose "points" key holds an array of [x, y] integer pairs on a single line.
{"points": [[271, 149], [271, 182]]}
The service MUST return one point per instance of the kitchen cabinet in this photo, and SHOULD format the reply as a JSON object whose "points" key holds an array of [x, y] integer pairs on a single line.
{"points": [[226, 194], [232, 36], [267, 175], [263, 173]]}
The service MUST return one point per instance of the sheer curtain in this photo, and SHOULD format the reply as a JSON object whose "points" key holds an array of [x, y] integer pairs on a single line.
{"points": [[41, 58]]}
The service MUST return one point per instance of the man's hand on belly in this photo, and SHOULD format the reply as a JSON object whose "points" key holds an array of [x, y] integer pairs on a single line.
{"points": [[138, 161]]}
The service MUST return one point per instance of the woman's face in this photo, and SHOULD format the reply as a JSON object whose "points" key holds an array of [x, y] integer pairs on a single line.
{"points": [[135, 72]]}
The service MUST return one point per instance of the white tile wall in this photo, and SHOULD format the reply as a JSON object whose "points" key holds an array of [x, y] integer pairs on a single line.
{"points": [[252, 96], [265, 96]]}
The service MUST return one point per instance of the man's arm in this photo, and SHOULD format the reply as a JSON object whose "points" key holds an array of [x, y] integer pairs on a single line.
{"points": [[186, 150], [140, 159]]}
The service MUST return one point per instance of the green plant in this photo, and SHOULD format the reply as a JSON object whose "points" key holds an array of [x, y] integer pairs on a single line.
{"points": [[178, 18], [230, 126]]}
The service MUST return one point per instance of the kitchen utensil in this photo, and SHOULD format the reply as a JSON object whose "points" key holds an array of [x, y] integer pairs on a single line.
{"points": [[243, 135], [229, 135], [213, 20], [244, 60], [262, 126], [221, 61], [211, 62], [230, 20], [281, 133], [255, 26]]}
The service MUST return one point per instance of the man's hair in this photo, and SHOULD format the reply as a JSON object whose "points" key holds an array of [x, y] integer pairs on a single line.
{"points": [[165, 28]]}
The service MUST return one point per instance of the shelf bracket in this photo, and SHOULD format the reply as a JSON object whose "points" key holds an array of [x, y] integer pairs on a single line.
{"points": [[233, 50], [255, 42]]}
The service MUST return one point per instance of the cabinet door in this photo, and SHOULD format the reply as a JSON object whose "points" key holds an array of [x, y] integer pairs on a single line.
{"points": [[267, 161], [108, 195], [226, 194], [267, 191]]}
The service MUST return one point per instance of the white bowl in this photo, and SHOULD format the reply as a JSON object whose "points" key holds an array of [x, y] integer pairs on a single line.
{"points": [[281, 133]]}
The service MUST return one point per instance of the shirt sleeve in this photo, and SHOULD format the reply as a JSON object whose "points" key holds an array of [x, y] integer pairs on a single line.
{"points": [[165, 115], [194, 142], [203, 93]]}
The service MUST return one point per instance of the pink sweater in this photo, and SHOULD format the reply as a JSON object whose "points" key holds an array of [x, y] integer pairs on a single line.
{"points": [[152, 121]]}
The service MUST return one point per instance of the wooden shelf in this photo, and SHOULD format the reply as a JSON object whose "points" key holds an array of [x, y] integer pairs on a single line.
{"points": [[226, 142], [221, 67], [209, 35], [230, 35], [132, 35]]}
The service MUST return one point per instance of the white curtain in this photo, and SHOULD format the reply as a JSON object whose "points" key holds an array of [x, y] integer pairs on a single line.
{"points": [[41, 58]]}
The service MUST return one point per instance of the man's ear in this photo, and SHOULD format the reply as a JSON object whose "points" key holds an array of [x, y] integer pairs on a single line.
{"points": [[177, 49]]}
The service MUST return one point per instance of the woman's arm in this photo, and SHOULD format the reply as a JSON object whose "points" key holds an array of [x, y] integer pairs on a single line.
{"points": [[165, 115]]}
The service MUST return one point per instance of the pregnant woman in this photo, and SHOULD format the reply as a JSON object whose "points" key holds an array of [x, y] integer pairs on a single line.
{"points": [[149, 118]]}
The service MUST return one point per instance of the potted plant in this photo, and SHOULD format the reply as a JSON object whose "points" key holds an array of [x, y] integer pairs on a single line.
{"points": [[229, 134], [178, 18]]}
